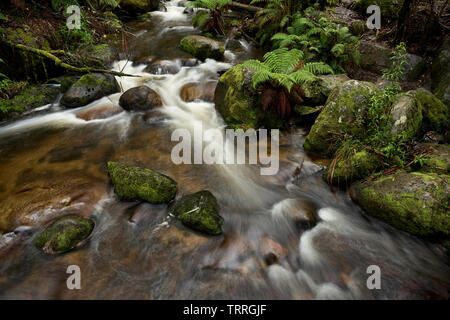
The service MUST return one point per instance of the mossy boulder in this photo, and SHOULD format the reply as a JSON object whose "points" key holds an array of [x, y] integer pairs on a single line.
{"points": [[351, 166], [344, 112], [29, 98], [202, 47], [317, 92], [89, 88], [414, 202], [139, 6], [64, 234], [438, 160], [64, 82], [405, 117], [199, 211], [136, 183], [440, 73], [435, 113], [239, 103]]}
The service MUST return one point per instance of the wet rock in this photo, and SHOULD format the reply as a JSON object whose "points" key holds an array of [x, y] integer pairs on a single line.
{"points": [[139, 6], [88, 88], [301, 212], [271, 250], [64, 234], [344, 112], [202, 91], [405, 117], [414, 202], [202, 47], [435, 113], [317, 92], [356, 166], [199, 211], [163, 67], [28, 99], [140, 99], [65, 82], [238, 102], [438, 160], [99, 112], [136, 183], [440, 75], [377, 58]]}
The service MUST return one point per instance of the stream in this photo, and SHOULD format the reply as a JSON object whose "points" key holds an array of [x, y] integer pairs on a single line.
{"points": [[55, 163]]}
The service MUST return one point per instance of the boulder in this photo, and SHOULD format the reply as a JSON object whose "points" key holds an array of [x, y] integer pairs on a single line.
{"points": [[414, 202], [136, 183], [99, 112], [435, 114], [202, 47], [170, 67], [351, 167], [140, 98], [139, 6], [317, 92], [405, 117], [199, 211], [64, 234], [344, 112], [88, 88], [438, 160], [440, 75], [377, 58], [238, 102], [195, 90]]}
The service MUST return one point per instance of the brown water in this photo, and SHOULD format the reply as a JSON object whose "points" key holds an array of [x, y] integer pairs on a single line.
{"points": [[54, 164]]}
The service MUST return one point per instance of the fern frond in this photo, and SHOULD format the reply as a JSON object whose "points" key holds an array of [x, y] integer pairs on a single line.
{"points": [[317, 68]]}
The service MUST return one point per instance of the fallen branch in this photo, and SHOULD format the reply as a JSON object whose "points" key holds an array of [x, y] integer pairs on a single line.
{"points": [[60, 63], [241, 6]]}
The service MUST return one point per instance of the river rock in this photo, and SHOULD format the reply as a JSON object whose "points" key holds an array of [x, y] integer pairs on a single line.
{"points": [[238, 102], [344, 112], [414, 202], [377, 58], [99, 112], [88, 88], [136, 183], [195, 90], [202, 47], [356, 166], [199, 211], [271, 250], [440, 73], [64, 234], [140, 99], [435, 114], [405, 117], [317, 92], [139, 6], [438, 160]]}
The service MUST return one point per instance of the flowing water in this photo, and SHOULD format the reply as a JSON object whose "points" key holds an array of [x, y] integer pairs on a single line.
{"points": [[54, 163]]}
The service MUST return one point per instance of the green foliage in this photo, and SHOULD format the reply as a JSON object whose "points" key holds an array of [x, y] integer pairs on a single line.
{"points": [[58, 5], [285, 68], [74, 37], [320, 39], [210, 19]]}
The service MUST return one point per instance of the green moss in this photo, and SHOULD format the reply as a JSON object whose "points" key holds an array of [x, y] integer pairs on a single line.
{"points": [[135, 183], [406, 117], [199, 211], [202, 47], [435, 113], [438, 161], [414, 202], [64, 234], [344, 112]]}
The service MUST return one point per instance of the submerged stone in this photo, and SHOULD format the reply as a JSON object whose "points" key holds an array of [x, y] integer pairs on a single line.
{"points": [[64, 234], [136, 183], [199, 211]]}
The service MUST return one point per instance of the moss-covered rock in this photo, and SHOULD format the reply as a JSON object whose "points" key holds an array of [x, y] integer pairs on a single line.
{"points": [[136, 183], [351, 167], [28, 99], [64, 234], [202, 47], [438, 160], [317, 92], [405, 117], [239, 103], [414, 202], [65, 82], [435, 113], [344, 112], [88, 88], [199, 211], [440, 75]]}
